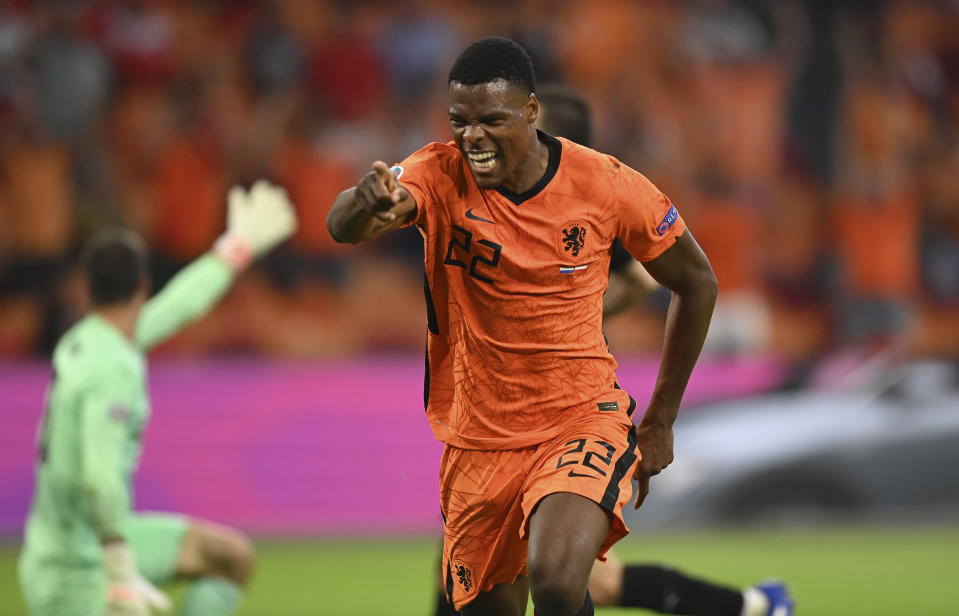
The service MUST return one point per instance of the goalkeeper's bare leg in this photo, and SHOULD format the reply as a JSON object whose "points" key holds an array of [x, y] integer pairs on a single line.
{"points": [[216, 559], [212, 549]]}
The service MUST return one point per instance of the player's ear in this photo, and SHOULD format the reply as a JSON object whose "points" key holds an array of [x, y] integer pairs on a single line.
{"points": [[532, 108]]}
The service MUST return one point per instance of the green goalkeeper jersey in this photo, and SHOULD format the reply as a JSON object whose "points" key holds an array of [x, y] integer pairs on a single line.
{"points": [[96, 410]]}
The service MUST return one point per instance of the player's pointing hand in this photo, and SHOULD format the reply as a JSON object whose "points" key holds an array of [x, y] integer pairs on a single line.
{"points": [[655, 444], [378, 191]]}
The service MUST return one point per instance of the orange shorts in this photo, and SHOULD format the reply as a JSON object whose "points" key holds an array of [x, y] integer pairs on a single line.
{"points": [[489, 496]]}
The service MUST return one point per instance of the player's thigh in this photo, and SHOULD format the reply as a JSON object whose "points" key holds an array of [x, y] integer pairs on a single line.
{"points": [[565, 534], [61, 591], [214, 549], [482, 505], [157, 540], [574, 498], [594, 460]]}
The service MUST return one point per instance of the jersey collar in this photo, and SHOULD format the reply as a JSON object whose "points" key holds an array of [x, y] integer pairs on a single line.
{"points": [[555, 149]]}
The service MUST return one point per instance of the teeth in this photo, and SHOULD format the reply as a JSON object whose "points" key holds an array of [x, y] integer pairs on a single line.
{"points": [[482, 160]]}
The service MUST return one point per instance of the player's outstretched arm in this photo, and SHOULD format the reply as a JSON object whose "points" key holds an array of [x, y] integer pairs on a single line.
{"points": [[684, 270], [376, 205], [257, 221]]}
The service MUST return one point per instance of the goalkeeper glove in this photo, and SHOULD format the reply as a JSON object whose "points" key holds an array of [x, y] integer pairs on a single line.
{"points": [[128, 593], [257, 220]]}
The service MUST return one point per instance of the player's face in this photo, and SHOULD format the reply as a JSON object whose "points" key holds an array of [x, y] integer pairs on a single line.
{"points": [[492, 123]]}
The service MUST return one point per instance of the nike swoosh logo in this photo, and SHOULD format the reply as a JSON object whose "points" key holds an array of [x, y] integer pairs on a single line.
{"points": [[470, 214], [575, 474]]}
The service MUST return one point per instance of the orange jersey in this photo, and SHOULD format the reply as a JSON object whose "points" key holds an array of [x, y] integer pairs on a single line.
{"points": [[515, 285]]}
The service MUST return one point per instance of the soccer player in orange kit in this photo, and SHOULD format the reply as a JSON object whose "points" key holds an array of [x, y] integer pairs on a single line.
{"points": [[518, 229], [565, 113]]}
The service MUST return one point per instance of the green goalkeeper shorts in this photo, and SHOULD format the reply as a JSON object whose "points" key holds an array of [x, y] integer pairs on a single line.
{"points": [[57, 590], [155, 539]]}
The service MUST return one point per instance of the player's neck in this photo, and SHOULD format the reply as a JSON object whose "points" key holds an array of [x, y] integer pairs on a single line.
{"points": [[121, 316], [530, 170]]}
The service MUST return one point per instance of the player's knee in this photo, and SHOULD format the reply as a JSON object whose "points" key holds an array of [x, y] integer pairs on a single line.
{"points": [[242, 556], [230, 555], [556, 588], [557, 599]]}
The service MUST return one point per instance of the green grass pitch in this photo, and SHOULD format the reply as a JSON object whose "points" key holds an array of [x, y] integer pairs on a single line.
{"points": [[875, 571]]}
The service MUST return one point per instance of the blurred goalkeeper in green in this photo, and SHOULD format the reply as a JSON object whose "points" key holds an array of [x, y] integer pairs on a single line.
{"points": [[86, 553]]}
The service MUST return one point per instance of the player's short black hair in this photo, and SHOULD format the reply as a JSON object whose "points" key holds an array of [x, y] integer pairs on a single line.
{"points": [[492, 58], [115, 262], [565, 113]]}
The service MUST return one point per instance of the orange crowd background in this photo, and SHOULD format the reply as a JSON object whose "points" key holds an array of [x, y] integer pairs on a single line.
{"points": [[812, 147]]}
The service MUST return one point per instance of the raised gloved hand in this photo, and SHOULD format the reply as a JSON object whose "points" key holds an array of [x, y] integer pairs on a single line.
{"points": [[257, 220], [128, 593]]}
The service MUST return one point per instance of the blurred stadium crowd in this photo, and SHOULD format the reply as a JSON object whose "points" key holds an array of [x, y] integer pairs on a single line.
{"points": [[812, 147]]}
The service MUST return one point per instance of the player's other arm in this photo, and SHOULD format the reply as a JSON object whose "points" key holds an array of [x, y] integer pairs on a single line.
{"points": [[104, 440], [257, 221], [684, 270], [376, 205], [628, 286], [104, 431], [629, 282]]}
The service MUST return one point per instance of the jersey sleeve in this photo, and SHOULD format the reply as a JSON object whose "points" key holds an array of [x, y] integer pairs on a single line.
{"points": [[104, 434], [648, 221], [187, 297], [422, 174]]}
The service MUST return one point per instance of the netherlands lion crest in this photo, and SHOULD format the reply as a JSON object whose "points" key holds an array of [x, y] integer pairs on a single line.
{"points": [[463, 574], [574, 237]]}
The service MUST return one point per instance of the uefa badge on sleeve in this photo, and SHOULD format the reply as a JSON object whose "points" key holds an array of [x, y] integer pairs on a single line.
{"points": [[668, 220]]}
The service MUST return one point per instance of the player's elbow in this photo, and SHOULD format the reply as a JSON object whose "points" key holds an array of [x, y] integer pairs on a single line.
{"points": [[700, 286], [710, 285], [335, 230], [104, 500], [336, 220], [93, 487], [707, 287]]}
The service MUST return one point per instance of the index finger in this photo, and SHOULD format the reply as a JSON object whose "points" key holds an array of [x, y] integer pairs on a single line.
{"points": [[385, 174], [642, 491]]}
